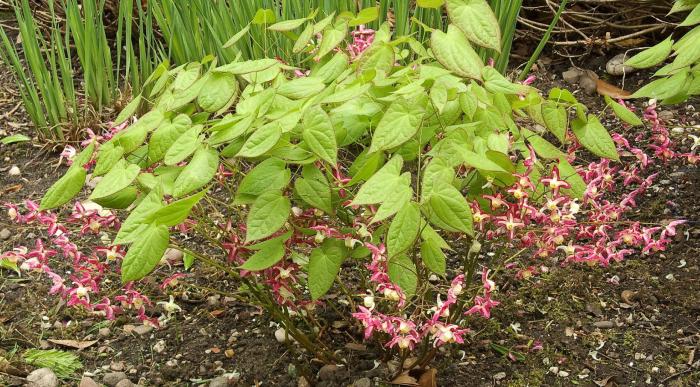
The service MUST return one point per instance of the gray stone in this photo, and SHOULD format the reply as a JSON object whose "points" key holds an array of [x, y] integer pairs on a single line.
{"points": [[571, 75], [112, 378], [5, 234], [42, 377], [88, 382], [364, 382], [125, 383], [615, 66], [327, 371], [104, 332], [223, 381]]}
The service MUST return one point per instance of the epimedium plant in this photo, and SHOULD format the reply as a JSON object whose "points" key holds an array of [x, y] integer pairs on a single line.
{"points": [[680, 79], [373, 181]]}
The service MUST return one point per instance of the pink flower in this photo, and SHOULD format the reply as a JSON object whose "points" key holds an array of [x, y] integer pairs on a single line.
{"points": [[483, 305]]}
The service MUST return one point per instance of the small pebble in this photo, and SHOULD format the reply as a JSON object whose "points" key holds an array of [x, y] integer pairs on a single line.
{"points": [[88, 382], [604, 324], [14, 171], [42, 377], [5, 234], [364, 382], [112, 378]]}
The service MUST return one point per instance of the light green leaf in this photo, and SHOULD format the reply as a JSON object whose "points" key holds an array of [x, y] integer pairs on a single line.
{"points": [[347, 94], [481, 162], [498, 84], [403, 230], [452, 50], [287, 25], [396, 199], [119, 200], [651, 56], [692, 19], [403, 273], [261, 141], [133, 136], [118, 178], [230, 128], [128, 231], [319, 134], [107, 157], [324, 266], [364, 166], [64, 189], [128, 111], [303, 39], [365, 16], [217, 91], [145, 253], [175, 212], [476, 19], [663, 88], [683, 5], [264, 16], [438, 171], [270, 175], [188, 260], [166, 134], [184, 146], [379, 57], [268, 255], [569, 174], [235, 38], [250, 66], [380, 184], [314, 188], [302, 87], [398, 125], [594, 137], [15, 138], [430, 235], [198, 172], [542, 147], [433, 257], [623, 112], [430, 3], [332, 37], [449, 210], [268, 214], [332, 69], [556, 119]]}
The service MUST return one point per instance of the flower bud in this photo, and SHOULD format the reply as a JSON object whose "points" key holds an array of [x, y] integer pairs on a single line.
{"points": [[391, 294], [319, 237], [475, 247], [368, 301]]}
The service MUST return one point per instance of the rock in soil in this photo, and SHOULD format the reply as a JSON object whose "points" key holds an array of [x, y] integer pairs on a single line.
{"points": [[364, 382], [604, 324], [88, 382], [43, 377], [112, 378], [223, 381], [327, 371], [125, 383], [5, 234], [616, 67]]}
